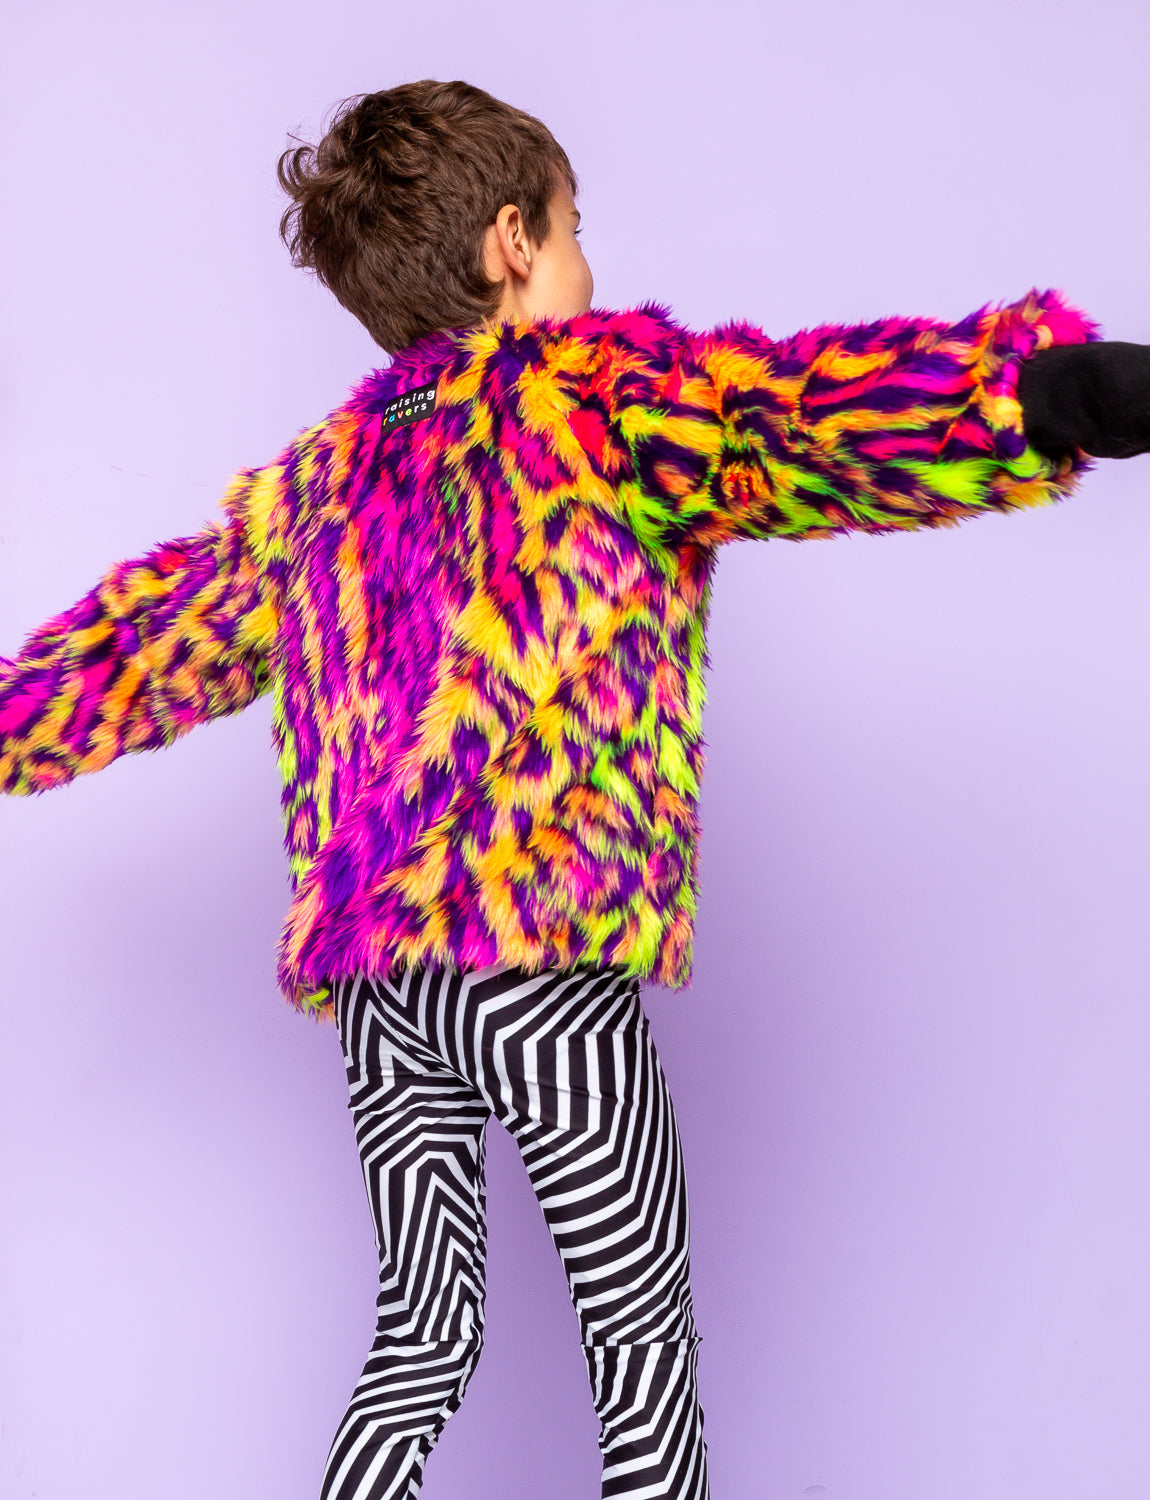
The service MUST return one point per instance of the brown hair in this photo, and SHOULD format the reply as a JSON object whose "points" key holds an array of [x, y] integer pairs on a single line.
{"points": [[390, 209]]}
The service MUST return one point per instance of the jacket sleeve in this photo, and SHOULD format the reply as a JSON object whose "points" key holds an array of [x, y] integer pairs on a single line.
{"points": [[891, 426], [163, 642]]}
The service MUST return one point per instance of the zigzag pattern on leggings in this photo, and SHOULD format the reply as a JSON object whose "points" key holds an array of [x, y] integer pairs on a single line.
{"points": [[565, 1061]]}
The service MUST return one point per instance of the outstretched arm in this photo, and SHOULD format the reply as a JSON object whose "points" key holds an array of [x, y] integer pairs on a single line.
{"points": [[161, 643], [891, 426]]}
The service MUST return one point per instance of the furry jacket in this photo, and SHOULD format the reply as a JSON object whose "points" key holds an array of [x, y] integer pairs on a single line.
{"points": [[478, 593]]}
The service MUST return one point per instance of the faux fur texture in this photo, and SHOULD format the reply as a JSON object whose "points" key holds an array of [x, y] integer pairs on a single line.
{"points": [[484, 630]]}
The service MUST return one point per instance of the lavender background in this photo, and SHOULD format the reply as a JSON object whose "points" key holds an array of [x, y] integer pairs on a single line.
{"points": [[911, 1075]]}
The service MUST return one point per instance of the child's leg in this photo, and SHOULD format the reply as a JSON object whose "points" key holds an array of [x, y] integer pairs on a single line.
{"points": [[566, 1062], [420, 1130], [602, 1149]]}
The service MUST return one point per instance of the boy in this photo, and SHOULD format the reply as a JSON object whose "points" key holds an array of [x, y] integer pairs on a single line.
{"points": [[478, 593]]}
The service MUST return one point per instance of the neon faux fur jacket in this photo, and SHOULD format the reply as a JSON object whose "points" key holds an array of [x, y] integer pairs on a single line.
{"points": [[481, 612]]}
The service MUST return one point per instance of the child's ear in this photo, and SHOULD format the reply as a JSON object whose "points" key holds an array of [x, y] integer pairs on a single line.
{"points": [[508, 246]]}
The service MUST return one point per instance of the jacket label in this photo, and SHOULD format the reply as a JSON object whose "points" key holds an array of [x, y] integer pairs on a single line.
{"points": [[409, 407]]}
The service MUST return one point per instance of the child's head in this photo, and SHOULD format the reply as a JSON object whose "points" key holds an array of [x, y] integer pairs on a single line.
{"points": [[429, 206]]}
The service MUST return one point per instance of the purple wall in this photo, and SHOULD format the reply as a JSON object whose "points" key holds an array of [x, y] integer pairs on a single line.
{"points": [[911, 1074]]}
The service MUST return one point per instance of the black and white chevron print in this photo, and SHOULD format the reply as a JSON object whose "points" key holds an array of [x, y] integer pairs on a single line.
{"points": [[566, 1062]]}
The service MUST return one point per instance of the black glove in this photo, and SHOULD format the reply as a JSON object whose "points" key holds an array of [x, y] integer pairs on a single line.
{"points": [[1090, 396]]}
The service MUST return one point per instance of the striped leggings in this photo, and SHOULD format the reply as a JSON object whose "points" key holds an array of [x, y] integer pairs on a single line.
{"points": [[566, 1062]]}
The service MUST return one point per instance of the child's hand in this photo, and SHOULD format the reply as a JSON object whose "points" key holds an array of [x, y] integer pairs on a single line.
{"points": [[1090, 396]]}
